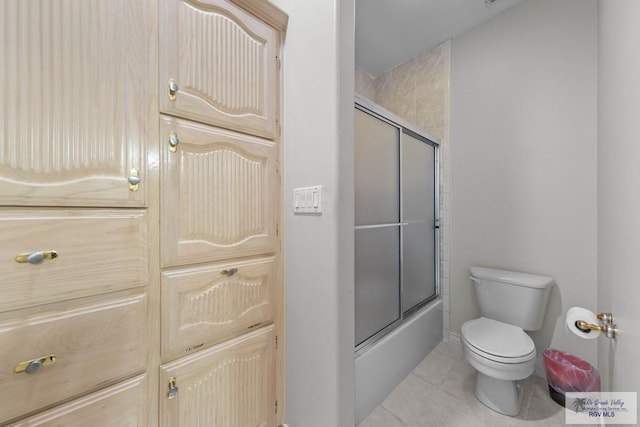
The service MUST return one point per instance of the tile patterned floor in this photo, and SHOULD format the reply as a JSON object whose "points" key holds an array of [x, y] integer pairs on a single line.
{"points": [[440, 392]]}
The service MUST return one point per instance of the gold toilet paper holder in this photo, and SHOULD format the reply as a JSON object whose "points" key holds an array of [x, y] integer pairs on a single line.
{"points": [[607, 328]]}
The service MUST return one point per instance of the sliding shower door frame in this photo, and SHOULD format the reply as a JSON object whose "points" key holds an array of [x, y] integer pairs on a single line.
{"points": [[405, 128]]}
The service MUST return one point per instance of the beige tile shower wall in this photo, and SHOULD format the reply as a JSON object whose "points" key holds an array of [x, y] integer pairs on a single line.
{"points": [[418, 91], [396, 90], [365, 84]]}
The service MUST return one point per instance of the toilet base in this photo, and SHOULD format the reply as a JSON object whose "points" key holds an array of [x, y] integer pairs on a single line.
{"points": [[502, 396]]}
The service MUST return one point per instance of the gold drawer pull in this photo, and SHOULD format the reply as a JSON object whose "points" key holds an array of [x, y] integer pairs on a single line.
{"points": [[229, 272], [35, 365], [36, 257], [173, 389], [134, 180], [173, 89], [173, 141]]}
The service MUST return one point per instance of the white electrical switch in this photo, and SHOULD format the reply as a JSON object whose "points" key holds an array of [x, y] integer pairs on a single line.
{"points": [[307, 200]]}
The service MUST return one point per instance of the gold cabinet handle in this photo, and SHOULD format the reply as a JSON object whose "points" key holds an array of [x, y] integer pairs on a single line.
{"points": [[35, 365], [173, 389], [173, 141], [36, 257], [134, 179], [229, 272], [173, 89]]}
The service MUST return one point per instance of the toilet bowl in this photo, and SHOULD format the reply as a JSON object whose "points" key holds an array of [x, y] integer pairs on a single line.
{"points": [[496, 344], [502, 354]]}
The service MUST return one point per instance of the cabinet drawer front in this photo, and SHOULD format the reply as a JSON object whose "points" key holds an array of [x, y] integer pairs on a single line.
{"points": [[97, 251], [224, 63], [236, 379], [122, 405], [209, 304], [93, 344], [219, 192]]}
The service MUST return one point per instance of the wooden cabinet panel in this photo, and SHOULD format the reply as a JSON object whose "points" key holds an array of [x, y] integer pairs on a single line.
{"points": [[224, 63], [230, 385], [75, 89], [94, 344], [208, 304], [98, 251], [220, 191], [122, 405]]}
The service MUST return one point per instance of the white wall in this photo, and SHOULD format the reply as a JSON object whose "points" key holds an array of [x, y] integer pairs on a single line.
{"points": [[619, 190], [318, 137], [523, 152]]}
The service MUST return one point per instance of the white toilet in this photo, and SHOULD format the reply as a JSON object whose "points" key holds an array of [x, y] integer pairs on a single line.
{"points": [[496, 344]]}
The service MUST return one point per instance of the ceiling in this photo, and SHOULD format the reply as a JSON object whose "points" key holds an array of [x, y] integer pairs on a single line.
{"points": [[391, 32]]}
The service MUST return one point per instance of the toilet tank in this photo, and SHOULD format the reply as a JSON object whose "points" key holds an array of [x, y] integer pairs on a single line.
{"points": [[519, 299]]}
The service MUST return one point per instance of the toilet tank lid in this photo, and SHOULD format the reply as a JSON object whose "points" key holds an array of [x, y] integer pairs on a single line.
{"points": [[512, 277]]}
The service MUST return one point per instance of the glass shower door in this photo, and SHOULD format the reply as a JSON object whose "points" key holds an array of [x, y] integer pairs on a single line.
{"points": [[377, 220], [419, 215], [396, 235]]}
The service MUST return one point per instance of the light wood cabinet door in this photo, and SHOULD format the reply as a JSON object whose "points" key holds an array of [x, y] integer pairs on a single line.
{"points": [[207, 304], [122, 405], [223, 63], [230, 385], [75, 99], [83, 346], [219, 194]]}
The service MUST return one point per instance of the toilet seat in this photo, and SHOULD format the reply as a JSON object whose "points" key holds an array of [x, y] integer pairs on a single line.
{"points": [[498, 341]]}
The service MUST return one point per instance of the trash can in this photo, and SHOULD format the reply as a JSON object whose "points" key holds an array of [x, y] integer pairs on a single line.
{"points": [[567, 373]]}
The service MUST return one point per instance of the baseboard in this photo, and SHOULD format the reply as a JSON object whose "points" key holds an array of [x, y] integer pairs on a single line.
{"points": [[454, 338]]}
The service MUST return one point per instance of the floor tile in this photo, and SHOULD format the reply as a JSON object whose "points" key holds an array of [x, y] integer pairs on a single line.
{"points": [[441, 392], [461, 384], [435, 368], [380, 417], [540, 387], [406, 401], [461, 381], [544, 412], [527, 389], [420, 404], [450, 349]]}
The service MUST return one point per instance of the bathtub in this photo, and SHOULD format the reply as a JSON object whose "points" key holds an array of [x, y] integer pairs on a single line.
{"points": [[381, 367]]}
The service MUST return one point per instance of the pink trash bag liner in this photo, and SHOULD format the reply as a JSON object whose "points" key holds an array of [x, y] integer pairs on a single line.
{"points": [[566, 373]]}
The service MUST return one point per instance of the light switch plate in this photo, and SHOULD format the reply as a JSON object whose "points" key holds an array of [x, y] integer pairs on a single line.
{"points": [[307, 200]]}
